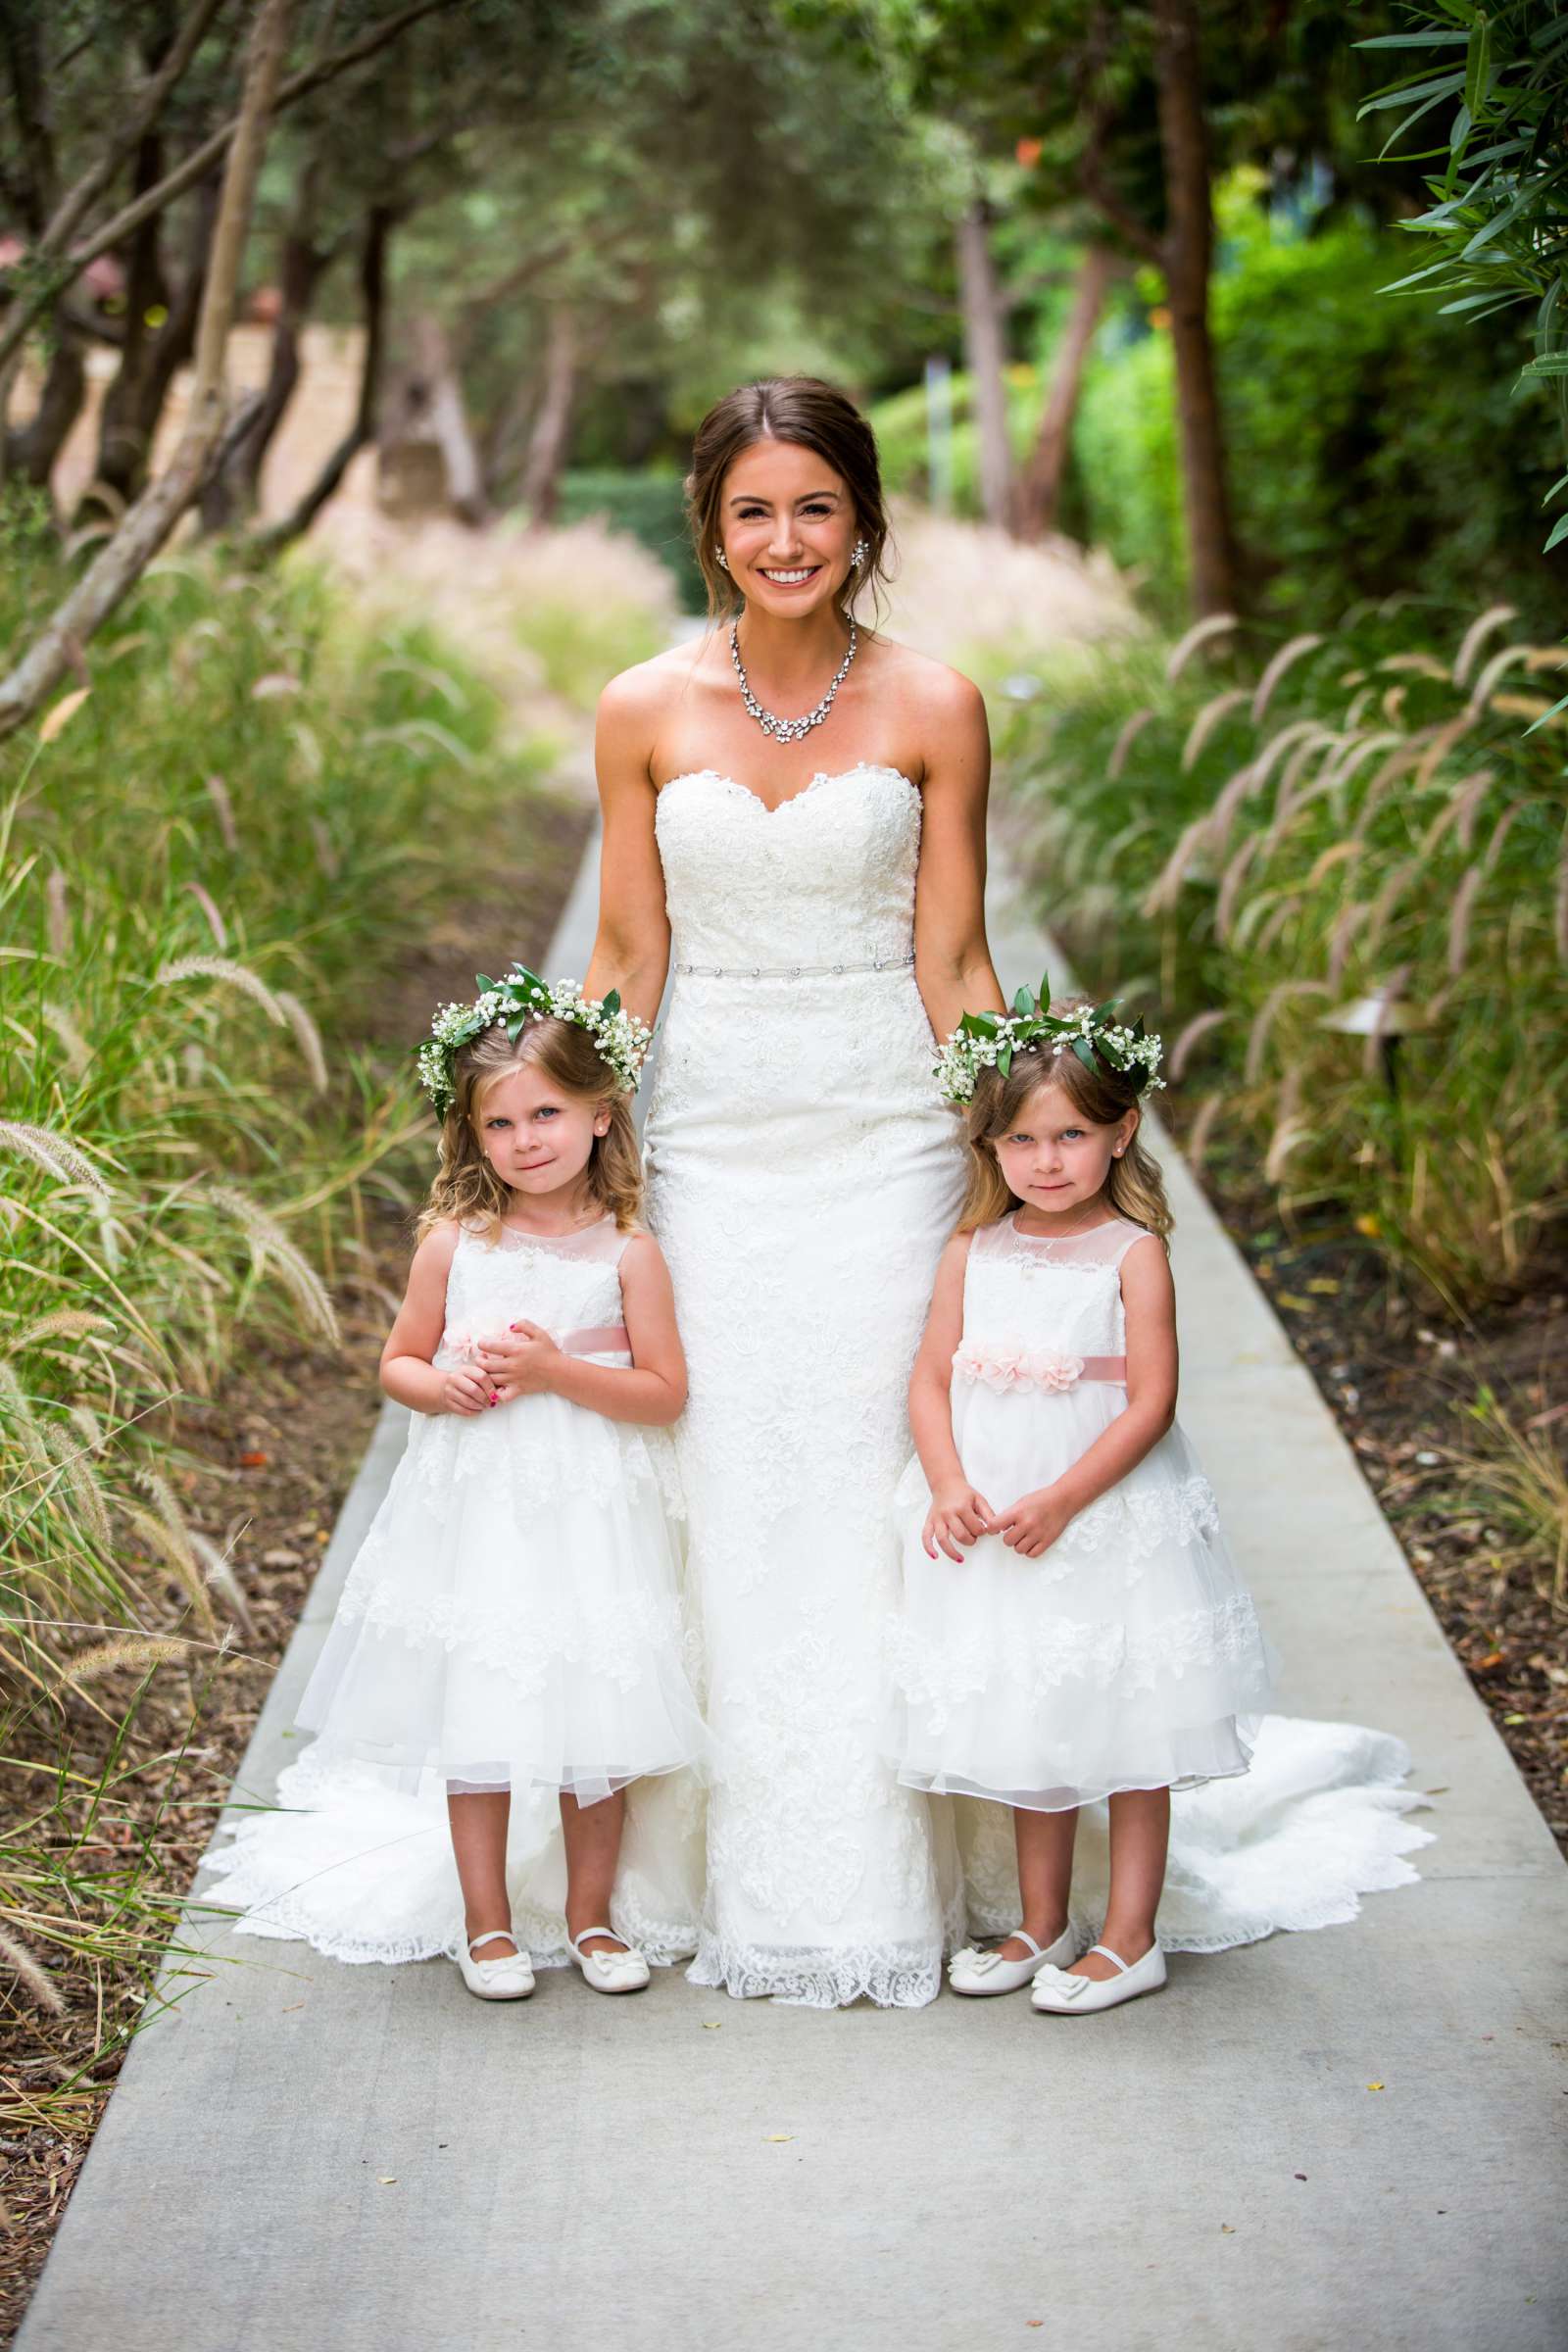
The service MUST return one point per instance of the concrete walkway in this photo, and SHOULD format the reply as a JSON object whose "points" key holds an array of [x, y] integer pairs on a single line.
{"points": [[1352, 2138]]}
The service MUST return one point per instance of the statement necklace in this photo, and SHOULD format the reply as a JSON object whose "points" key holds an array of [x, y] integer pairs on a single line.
{"points": [[787, 730]]}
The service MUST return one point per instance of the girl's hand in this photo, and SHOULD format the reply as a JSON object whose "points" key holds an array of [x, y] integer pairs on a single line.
{"points": [[1034, 1523], [465, 1392], [958, 1515], [518, 1363]]}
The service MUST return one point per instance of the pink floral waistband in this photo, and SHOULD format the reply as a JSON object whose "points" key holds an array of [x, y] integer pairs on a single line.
{"points": [[1004, 1368]]}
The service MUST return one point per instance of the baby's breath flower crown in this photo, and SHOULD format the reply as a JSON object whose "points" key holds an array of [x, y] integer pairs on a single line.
{"points": [[985, 1041], [620, 1039]]}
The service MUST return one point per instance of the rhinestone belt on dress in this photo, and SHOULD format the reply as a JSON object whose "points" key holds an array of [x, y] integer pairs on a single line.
{"points": [[792, 971]]}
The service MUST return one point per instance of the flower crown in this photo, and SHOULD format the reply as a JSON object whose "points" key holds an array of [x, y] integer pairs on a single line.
{"points": [[985, 1041], [620, 1039]]}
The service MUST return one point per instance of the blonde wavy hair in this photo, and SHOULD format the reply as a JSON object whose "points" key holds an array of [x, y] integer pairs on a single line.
{"points": [[1134, 1186], [466, 1186]]}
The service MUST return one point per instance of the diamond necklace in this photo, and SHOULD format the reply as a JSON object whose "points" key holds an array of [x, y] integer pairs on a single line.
{"points": [[787, 730]]}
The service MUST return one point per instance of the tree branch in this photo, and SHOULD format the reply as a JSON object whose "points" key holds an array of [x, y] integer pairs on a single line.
{"points": [[72, 207], [120, 563], [195, 165]]}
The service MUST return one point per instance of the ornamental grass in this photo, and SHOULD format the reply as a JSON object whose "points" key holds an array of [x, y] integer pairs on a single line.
{"points": [[211, 862], [1336, 880]]}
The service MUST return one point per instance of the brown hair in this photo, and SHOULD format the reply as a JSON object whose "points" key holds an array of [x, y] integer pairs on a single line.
{"points": [[466, 1186], [1134, 1186], [815, 415]]}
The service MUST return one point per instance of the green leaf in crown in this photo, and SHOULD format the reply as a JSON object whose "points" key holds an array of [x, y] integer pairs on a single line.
{"points": [[620, 1039]]}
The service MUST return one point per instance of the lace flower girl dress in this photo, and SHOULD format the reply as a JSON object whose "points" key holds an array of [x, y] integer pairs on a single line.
{"points": [[1128, 1655], [513, 1619]]}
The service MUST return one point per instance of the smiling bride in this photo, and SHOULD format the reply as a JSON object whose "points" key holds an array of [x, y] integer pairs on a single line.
{"points": [[795, 847]]}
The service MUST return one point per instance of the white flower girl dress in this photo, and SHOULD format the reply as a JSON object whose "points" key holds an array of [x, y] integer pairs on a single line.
{"points": [[1128, 1655], [513, 1619]]}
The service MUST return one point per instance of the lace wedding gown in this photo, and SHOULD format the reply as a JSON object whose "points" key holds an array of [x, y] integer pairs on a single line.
{"points": [[803, 1176]]}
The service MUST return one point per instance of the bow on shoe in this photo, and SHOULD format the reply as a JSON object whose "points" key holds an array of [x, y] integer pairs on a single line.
{"points": [[972, 1957], [1069, 1986]]}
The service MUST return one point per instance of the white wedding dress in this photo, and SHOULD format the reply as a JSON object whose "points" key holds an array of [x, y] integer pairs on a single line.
{"points": [[803, 1176]]}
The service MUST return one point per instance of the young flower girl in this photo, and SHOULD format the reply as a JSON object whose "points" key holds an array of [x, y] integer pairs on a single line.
{"points": [[511, 1622], [1073, 1625]]}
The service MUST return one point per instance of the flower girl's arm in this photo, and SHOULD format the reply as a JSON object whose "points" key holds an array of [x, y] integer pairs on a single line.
{"points": [[406, 1373], [631, 950], [959, 1513], [931, 1381], [1033, 1523]]}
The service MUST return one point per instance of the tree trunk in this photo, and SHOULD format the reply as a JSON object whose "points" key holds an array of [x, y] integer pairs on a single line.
{"points": [[121, 561], [232, 490], [30, 448], [985, 355], [135, 402], [1040, 484], [447, 420], [372, 287], [1188, 246], [547, 444]]}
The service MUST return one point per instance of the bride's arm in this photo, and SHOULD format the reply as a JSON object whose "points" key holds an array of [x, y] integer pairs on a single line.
{"points": [[632, 948], [951, 960]]}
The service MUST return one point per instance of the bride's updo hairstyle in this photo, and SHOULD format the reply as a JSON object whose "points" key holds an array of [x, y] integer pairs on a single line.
{"points": [[815, 415], [1134, 1186], [468, 1187]]}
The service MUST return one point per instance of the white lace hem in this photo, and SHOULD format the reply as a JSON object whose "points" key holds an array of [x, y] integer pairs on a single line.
{"points": [[895, 1976]]}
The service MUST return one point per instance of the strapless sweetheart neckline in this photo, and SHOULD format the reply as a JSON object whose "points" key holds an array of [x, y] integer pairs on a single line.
{"points": [[861, 767]]}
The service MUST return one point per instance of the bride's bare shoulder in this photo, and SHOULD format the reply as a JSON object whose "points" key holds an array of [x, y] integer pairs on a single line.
{"points": [[932, 692], [648, 691]]}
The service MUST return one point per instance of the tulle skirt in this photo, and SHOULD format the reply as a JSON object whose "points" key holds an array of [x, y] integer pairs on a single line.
{"points": [[513, 1617], [1126, 1656]]}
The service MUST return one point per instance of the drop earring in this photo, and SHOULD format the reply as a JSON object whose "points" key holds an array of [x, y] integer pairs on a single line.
{"points": [[857, 554], [723, 559]]}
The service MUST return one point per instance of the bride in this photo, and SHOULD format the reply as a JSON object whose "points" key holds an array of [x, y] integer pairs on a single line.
{"points": [[794, 867], [809, 891]]}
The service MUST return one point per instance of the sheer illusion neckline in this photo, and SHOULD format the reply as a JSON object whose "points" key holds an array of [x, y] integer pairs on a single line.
{"points": [[841, 775], [562, 1245]]}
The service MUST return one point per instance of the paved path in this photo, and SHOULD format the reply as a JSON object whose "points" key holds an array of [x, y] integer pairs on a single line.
{"points": [[305, 2156]]}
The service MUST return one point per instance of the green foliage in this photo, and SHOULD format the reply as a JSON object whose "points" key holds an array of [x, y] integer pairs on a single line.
{"points": [[650, 507], [1251, 854], [1498, 79], [1372, 446], [900, 423]]}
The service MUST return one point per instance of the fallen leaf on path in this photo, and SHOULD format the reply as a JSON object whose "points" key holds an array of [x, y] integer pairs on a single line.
{"points": [[1375, 2087], [715, 2028], [779, 2135], [388, 2180], [1226, 2230]]}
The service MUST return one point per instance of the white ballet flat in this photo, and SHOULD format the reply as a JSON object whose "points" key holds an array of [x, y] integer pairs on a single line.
{"points": [[510, 1979], [608, 1972], [1072, 1996], [975, 1972]]}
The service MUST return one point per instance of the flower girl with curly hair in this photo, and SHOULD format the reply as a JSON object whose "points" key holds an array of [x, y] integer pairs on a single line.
{"points": [[1073, 1625], [512, 1624]]}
